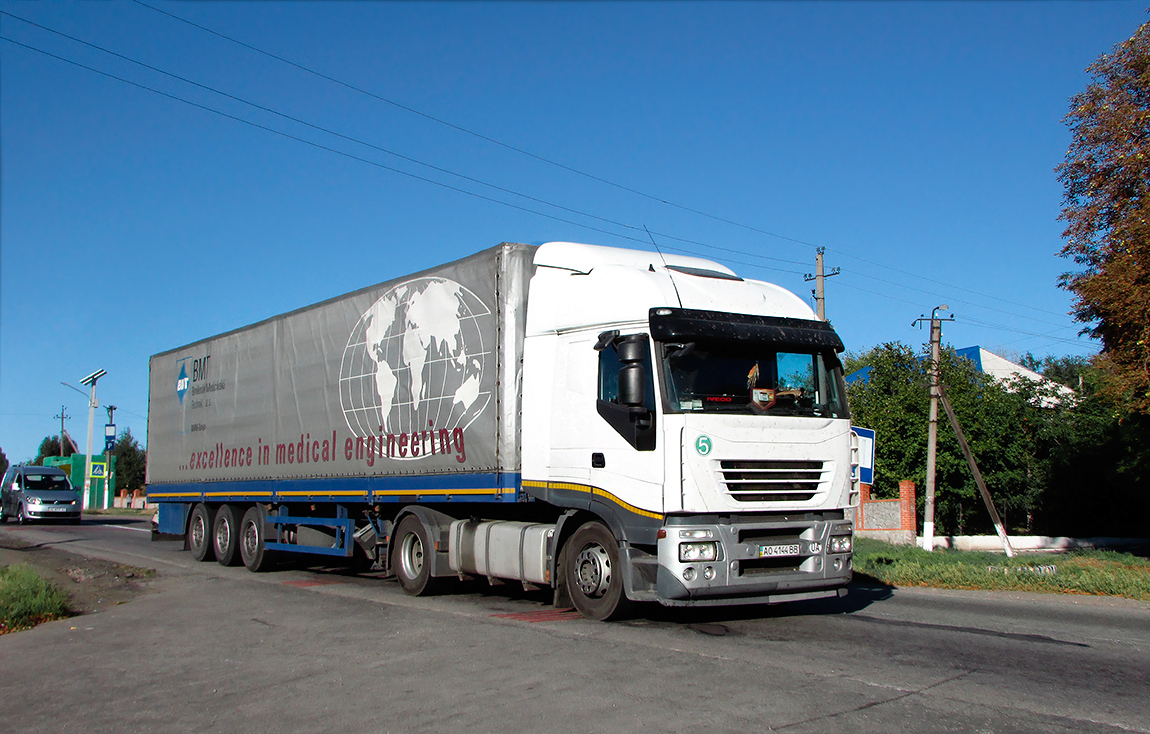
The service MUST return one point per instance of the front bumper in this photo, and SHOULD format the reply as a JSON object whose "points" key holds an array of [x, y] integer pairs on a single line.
{"points": [[745, 569], [51, 512]]}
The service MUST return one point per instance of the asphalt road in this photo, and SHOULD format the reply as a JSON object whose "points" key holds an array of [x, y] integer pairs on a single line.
{"points": [[214, 649]]}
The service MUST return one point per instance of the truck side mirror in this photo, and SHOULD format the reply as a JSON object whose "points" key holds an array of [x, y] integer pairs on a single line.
{"points": [[632, 382]]}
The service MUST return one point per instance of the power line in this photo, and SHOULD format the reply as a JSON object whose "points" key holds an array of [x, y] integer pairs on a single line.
{"points": [[571, 169], [381, 149], [433, 167]]}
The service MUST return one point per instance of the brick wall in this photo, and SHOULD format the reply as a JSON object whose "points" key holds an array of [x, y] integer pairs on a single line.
{"points": [[892, 520]]}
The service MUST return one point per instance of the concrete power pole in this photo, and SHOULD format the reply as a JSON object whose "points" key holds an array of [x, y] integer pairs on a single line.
{"points": [[818, 278], [63, 416], [932, 425]]}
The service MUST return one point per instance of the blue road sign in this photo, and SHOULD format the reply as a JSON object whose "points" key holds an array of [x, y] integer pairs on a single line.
{"points": [[866, 454]]}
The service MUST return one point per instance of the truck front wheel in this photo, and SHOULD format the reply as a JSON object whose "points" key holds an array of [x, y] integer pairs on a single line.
{"points": [[593, 573], [411, 557], [200, 533]]}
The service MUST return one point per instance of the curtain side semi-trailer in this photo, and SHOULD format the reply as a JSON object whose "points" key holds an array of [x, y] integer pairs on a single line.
{"points": [[617, 425]]}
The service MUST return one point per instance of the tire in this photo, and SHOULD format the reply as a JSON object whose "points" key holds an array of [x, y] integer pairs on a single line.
{"points": [[411, 557], [199, 538], [253, 535], [21, 517], [3, 515], [226, 535], [593, 573]]}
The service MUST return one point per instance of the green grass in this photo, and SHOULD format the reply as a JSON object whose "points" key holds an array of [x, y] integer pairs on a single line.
{"points": [[1103, 573], [26, 599]]}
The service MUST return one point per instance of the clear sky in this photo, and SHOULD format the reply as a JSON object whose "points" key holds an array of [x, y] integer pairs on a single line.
{"points": [[916, 142]]}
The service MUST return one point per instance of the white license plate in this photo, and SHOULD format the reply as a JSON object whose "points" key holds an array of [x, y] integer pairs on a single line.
{"points": [[772, 551], [58, 509]]}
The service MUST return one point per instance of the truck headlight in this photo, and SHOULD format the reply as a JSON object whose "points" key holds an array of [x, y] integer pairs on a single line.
{"points": [[33, 500], [841, 544], [691, 552]]}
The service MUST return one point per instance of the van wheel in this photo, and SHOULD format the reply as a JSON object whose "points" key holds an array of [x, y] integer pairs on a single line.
{"points": [[253, 535], [411, 557], [593, 573], [21, 517], [199, 540], [226, 536]]}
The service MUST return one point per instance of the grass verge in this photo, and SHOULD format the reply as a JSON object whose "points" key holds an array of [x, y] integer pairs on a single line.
{"points": [[1102, 573], [26, 599]]}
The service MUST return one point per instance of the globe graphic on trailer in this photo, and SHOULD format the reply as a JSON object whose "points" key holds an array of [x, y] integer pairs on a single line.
{"points": [[416, 361]]}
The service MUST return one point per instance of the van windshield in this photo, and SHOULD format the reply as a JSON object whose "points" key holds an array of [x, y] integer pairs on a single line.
{"points": [[755, 378], [46, 482]]}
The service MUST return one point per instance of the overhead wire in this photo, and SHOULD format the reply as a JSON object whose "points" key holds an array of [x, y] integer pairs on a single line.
{"points": [[571, 169], [387, 151], [439, 169]]}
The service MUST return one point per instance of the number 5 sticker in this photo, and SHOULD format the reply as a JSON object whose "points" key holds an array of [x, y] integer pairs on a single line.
{"points": [[703, 445]]}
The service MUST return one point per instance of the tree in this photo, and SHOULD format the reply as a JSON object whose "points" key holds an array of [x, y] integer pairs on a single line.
{"points": [[50, 446], [130, 462], [3, 462], [1001, 426], [1106, 207], [1076, 467]]}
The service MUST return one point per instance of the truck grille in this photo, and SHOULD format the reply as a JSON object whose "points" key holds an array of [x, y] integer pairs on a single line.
{"points": [[771, 480]]}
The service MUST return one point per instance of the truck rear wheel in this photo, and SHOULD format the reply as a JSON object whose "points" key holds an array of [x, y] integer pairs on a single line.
{"points": [[411, 557], [252, 536], [593, 573], [199, 539], [226, 535]]}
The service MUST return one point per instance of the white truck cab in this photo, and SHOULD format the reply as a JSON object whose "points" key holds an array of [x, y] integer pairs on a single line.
{"points": [[701, 415]]}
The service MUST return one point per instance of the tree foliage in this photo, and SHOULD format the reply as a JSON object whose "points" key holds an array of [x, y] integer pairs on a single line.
{"points": [[1106, 207], [895, 402], [3, 462], [1076, 467], [130, 462], [50, 446]]}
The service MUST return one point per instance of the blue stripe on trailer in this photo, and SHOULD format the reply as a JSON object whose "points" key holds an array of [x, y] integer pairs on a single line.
{"points": [[485, 487]]}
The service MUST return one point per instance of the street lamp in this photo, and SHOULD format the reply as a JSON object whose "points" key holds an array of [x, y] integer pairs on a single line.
{"points": [[90, 381]]}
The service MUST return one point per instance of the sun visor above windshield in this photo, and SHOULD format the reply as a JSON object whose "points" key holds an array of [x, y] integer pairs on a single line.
{"points": [[682, 324]]}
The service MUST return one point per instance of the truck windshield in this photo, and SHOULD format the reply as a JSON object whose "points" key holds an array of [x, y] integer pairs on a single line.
{"points": [[745, 377]]}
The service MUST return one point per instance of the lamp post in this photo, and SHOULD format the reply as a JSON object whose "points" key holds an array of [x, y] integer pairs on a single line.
{"points": [[89, 381]]}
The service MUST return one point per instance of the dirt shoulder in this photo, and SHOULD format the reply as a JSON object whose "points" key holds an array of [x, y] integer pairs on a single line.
{"points": [[92, 584]]}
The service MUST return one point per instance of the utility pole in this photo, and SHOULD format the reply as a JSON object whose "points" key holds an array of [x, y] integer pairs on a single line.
{"points": [[63, 416], [818, 278], [932, 425]]}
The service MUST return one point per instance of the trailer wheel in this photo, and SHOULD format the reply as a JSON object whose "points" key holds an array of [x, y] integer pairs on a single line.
{"points": [[226, 535], [199, 539], [411, 557], [252, 536], [593, 573]]}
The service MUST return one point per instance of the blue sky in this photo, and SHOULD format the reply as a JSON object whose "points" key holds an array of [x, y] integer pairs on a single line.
{"points": [[916, 142]]}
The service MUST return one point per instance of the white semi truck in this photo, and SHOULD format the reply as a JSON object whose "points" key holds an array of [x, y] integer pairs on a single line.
{"points": [[613, 424]]}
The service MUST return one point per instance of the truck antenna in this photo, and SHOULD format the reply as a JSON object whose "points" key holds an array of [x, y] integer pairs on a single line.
{"points": [[669, 275]]}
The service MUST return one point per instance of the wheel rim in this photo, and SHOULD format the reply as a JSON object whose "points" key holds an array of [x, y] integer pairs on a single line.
{"points": [[250, 538], [223, 535], [411, 556], [198, 531], [593, 571]]}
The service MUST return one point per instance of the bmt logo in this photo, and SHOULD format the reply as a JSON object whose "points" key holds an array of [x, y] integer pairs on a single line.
{"points": [[199, 372], [182, 383]]}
